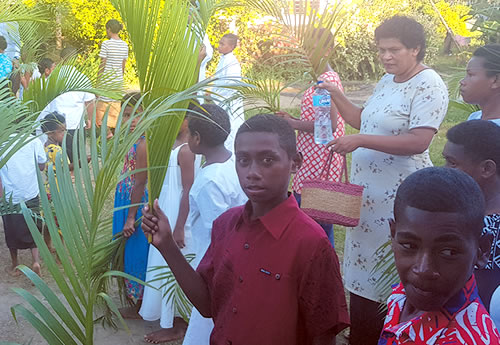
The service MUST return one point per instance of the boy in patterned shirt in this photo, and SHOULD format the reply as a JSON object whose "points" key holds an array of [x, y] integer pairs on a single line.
{"points": [[474, 148], [437, 242], [5, 62]]}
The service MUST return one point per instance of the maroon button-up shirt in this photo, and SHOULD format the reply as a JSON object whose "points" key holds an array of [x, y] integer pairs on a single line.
{"points": [[274, 280]]}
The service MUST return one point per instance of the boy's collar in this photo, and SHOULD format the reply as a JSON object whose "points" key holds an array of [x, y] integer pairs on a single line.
{"points": [[276, 220], [464, 297], [439, 318]]}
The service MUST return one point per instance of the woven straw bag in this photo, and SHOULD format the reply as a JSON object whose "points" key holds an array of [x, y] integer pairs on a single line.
{"points": [[332, 202]]}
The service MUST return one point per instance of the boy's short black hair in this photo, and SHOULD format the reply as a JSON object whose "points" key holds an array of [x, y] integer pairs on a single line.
{"points": [[269, 123], [232, 39], [440, 189], [114, 26], [210, 121], [491, 55], [407, 30], [479, 138], [52, 122], [3, 43], [132, 97], [44, 64]]}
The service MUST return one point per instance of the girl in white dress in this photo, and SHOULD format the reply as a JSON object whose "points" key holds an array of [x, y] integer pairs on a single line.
{"points": [[174, 201]]}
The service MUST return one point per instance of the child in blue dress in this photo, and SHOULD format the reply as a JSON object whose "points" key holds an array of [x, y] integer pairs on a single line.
{"points": [[131, 190]]}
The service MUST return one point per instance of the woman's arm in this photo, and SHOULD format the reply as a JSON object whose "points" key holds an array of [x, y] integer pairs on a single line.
{"points": [[416, 141], [186, 162], [350, 112], [299, 125], [306, 125], [138, 188]]}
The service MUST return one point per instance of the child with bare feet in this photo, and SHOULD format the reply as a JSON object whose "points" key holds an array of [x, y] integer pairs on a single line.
{"points": [[214, 191], [130, 192], [270, 275], [18, 179], [174, 201]]}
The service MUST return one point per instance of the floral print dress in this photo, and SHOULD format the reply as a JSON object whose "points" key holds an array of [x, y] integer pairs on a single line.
{"points": [[137, 246], [393, 109]]}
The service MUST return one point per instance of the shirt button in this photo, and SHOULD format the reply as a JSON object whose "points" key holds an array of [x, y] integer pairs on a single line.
{"points": [[234, 310], [277, 276], [246, 246], [240, 279]]}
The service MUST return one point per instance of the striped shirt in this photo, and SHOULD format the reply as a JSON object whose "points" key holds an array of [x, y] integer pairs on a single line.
{"points": [[115, 52]]}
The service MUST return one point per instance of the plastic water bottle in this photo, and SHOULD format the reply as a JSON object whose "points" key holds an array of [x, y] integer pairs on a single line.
{"points": [[323, 133]]}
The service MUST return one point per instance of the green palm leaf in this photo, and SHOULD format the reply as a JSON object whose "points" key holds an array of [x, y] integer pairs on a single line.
{"points": [[17, 11], [84, 247], [386, 269], [295, 23], [70, 76], [166, 42]]}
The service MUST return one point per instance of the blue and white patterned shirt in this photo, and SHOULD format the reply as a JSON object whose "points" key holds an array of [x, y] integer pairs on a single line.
{"points": [[5, 66]]}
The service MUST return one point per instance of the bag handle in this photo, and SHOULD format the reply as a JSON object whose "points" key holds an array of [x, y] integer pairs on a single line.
{"points": [[328, 164]]}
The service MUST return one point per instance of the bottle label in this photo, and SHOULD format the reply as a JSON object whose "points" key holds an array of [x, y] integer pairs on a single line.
{"points": [[321, 100]]}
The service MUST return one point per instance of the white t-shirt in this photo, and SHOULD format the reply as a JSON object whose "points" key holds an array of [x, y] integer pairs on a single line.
{"points": [[18, 175], [215, 189], [10, 30], [70, 104], [495, 306]]}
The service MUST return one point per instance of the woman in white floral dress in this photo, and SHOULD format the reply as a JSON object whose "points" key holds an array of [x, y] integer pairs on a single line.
{"points": [[396, 126]]}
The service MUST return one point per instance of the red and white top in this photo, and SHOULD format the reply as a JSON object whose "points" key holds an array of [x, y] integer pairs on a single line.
{"points": [[462, 320], [315, 155]]}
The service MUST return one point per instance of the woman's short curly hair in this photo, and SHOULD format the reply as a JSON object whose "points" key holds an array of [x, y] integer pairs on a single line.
{"points": [[407, 30]]}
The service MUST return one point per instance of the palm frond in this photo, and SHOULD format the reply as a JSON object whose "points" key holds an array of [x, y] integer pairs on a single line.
{"points": [[166, 42], [32, 36], [84, 245], [17, 11], [173, 291], [385, 269], [67, 77], [295, 25], [16, 126], [263, 92]]}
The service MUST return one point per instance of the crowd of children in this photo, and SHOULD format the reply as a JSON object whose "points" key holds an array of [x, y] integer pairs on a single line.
{"points": [[263, 271]]}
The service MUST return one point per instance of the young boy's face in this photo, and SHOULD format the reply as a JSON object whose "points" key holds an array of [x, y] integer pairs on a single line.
{"points": [[49, 70], [263, 166], [456, 158], [435, 255], [127, 113], [225, 46], [58, 134], [194, 142]]}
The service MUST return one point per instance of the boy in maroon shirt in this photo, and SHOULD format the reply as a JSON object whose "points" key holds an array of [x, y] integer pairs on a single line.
{"points": [[270, 275]]}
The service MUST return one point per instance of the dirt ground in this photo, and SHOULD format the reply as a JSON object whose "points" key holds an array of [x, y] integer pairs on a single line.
{"points": [[22, 332]]}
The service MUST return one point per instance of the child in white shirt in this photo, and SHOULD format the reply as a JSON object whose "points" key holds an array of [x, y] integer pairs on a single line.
{"points": [[18, 179], [230, 68]]}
